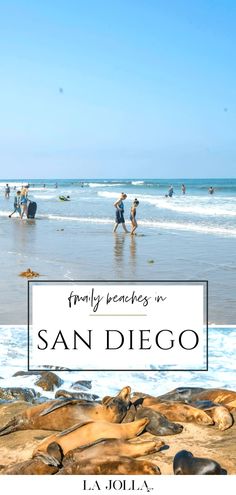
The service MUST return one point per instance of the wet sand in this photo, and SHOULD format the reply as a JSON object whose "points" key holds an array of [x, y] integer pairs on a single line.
{"points": [[62, 250]]}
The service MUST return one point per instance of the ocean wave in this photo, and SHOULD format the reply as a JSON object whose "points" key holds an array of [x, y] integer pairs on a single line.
{"points": [[44, 197], [104, 184], [153, 224], [222, 344], [137, 182], [195, 205], [185, 226]]}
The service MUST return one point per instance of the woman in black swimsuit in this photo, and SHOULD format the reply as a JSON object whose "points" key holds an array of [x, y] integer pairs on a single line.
{"points": [[133, 216], [119, 205]]}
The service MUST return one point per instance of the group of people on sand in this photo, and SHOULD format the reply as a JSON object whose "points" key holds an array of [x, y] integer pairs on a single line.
{"points": [[120, 220]]}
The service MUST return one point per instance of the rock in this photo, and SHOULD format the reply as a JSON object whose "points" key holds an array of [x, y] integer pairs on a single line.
{"points": [[82, 384], [17, 393], [48, 381], [75, 395]]}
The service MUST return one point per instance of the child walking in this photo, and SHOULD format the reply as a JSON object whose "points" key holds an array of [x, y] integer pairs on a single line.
{"points": [[134, 224]]}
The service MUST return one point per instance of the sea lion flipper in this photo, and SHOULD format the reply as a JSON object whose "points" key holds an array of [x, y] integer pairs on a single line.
{"points": [[96, 442], [11, 426], [58, 405], [74, 427]]}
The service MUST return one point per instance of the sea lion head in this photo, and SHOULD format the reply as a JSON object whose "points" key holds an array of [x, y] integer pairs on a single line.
{"points": [[185, 463], [118, 405]]}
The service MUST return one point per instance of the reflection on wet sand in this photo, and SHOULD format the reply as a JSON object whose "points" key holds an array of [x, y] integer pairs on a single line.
{"points": [[133, 252], [119, 244], [125, 259]]}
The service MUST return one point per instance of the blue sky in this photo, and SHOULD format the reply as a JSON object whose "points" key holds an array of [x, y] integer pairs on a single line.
{"points": [[149, 88]]}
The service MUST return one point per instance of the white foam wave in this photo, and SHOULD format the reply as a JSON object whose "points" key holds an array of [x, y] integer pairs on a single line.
{"points": [[222, 344], [195, 205], [137, 182], [78, 219], [44, 196], [192, 227], [102, 184], [171, 226]]}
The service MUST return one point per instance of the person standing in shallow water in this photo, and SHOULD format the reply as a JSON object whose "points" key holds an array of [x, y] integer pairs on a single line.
{"points": [[183, 188], [7, 191], [133, 216], [119, 205]]}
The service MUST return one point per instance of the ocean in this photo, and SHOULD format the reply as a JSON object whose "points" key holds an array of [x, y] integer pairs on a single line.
{"points": [[91, 202], [221, 374], [186, 237]]}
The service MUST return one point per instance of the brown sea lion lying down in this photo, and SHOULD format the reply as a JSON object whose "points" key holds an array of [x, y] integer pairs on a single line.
{"points": [[220, 414], [111, 446], [89, 432], [49, 464], [111, 465], [191, 394], [63, 413], [52, 460], [219, 396], [177, 411]]}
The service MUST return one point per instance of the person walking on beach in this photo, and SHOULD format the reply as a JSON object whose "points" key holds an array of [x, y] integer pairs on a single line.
{"points": [[183, 188], [24, 200], [119, 205], [7, 191], [133, 216], [17, 201]]}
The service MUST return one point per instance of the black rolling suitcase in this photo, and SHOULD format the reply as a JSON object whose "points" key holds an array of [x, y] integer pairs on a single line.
{"points": [[32, 208]]}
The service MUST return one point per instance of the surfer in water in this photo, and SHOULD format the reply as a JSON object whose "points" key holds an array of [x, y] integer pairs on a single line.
{"points": [[119, 205]]}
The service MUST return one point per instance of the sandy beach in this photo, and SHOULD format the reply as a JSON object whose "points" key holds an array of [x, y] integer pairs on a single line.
{"points": [[202, 441]]}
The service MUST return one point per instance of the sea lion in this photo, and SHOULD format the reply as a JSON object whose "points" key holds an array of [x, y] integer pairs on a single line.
{"points": [[111, 465], [186, 463], [88, 432], [158, 423], [48, 464], [218, 395], [111, 446], [130, 415], [75, 395], [63, 413], [177, 411], [180, 394], [220, 414], [190, 394]]}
